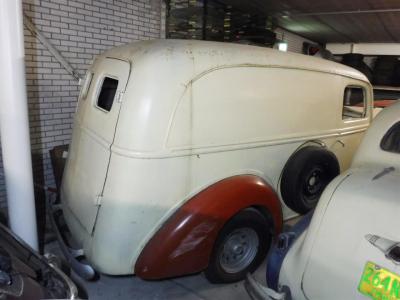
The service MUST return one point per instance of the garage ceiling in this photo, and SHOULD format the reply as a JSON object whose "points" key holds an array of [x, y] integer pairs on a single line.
{"points": [[332, 21]]}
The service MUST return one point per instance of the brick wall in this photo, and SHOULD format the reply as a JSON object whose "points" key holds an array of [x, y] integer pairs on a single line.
{"points": [[80, 30]]}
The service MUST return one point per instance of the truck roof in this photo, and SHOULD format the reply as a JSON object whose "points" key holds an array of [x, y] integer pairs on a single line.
{"points": [[214, 55]]}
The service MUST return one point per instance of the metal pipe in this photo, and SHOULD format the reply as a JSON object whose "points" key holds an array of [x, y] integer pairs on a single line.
{"points": [[344, 12], [45, 42], [14, 124]]}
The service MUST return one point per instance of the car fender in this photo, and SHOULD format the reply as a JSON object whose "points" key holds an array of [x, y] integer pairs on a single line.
{"points": [[184, 243]]}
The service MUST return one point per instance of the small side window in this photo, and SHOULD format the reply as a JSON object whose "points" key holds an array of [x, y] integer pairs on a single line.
{"points": [[107, 93], [354, 103], [391, 140]]}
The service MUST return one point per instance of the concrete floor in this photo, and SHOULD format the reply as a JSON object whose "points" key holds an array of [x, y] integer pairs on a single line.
{"points": [[193, 287]]}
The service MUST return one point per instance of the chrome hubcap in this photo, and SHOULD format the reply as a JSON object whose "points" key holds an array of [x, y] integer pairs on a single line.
{"points": [[239, 250]]}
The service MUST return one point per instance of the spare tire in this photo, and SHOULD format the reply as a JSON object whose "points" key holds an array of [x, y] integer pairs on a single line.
{"points": [[305, 176], [384, 70], [356, 61], [352, 58], [396, 75]]}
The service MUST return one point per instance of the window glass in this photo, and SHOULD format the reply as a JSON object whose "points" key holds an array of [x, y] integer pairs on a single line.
{"points": [[354, 103], [107, 93], [391, 140]]}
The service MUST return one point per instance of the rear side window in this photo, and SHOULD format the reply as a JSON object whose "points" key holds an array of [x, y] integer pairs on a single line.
{"points": [[354, 103], [107, 93], [391, 140]]}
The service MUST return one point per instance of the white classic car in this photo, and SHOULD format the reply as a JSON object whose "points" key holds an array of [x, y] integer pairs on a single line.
{"points": [[350, 247]]}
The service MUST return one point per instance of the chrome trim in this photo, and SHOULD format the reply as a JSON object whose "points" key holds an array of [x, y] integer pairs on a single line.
{"points": [[73, 290], [259, 292]]}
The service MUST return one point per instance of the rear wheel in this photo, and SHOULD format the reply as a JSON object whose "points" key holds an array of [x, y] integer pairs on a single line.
{"points": [[241, 246]]}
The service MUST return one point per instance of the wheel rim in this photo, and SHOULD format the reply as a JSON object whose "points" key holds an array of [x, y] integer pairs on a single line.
{"points": [[239, 250], [315, 182]]}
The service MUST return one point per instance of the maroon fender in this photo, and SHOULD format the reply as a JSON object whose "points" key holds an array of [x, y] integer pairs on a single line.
{"points": [[184, 243]]}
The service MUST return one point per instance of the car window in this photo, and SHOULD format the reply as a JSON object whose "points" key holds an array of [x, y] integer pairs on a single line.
{"points": [[354, 103], [107, 93], [391, 140]]}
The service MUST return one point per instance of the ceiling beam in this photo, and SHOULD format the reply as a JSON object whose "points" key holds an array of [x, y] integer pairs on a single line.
{"points": [[364, 48]]}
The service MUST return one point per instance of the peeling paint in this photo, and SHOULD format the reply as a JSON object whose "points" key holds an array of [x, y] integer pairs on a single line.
{"points": [[194, 238]]}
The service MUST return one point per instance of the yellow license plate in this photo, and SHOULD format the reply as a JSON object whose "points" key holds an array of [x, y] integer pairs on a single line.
{"points": [[379, 283]]}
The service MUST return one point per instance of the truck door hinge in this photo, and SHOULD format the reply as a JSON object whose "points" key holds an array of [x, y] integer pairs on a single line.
{"points": [[98, 200], [120, 96]]}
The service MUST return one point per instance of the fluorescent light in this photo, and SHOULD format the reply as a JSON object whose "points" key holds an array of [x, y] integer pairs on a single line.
{"points": [[282, 46]]}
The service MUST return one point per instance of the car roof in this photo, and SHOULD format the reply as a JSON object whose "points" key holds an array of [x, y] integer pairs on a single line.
{"points": [[370, 152]]}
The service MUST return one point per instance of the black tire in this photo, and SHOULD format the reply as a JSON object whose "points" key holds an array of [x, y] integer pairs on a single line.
{"points": [[248, 219], [384, 70], [396, 75], [356, 61], [352, 58], [305, 176]]}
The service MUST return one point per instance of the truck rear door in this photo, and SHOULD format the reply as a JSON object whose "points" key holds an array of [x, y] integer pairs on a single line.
{"points": [[93, 136]]}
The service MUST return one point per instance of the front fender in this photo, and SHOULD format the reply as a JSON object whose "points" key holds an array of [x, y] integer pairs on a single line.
{"points": [[183, 245]]}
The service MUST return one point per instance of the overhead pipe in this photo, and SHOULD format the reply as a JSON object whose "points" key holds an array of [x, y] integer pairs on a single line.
{"points": [[14, 124], [343, 12]]}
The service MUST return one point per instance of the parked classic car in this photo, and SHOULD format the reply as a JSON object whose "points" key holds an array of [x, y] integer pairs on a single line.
{"points": [[185, 153], [350, 248], [26, 275]]}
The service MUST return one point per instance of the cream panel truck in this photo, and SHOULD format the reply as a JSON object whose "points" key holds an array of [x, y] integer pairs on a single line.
{"points": [[187, 155]]}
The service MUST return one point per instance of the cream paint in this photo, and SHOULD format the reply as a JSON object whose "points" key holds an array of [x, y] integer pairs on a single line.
{"points": [[161, 154]]}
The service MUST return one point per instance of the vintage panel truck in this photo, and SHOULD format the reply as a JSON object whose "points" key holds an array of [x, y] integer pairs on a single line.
{"points": [[186, 155]]}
